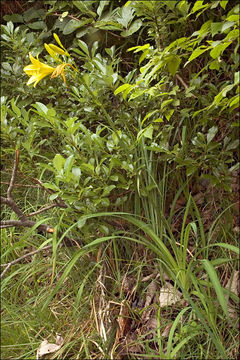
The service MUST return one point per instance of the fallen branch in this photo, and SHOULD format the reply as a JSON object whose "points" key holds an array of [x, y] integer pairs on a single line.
{"points": [[21, 185], [8, 265], [23, 219]]}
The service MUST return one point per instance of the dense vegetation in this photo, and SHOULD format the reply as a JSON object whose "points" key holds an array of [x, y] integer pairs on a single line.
{"points": [[119, 142]]}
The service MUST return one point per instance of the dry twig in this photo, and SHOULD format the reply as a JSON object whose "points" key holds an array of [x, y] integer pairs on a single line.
{"points": [[8, 265], [23, 219]]}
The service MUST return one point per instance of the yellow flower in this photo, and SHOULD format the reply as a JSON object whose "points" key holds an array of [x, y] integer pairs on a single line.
{"points": [[38, 70], [53, 50], [60, 70]]}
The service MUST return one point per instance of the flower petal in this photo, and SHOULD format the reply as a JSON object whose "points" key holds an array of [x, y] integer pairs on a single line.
{"points": [[58, 40], [58, 50]]}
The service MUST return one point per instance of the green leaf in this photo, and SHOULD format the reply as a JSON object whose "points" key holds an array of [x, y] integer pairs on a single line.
{"points": [[198, 5], [227, 25], [168, 114], [37, 25], [216, 284], [133, 28], [122, 88], [81, 222], [216, 51], [87, 168], [173, 64], [58, 162], [223, 3], [233, 145], [214, 65], [15, 18], [32, 13], [108, 189], [69, 163], [149, 114], [41, 108], [84, 7], [216, 27], [53, 197], [83, 46], [15, 108], [211, 133], [197, 52], [147, 133], [51, 186], [236, 78], [139, 48], [73, 25], [126, 16], [108, 25], [101, 6]]}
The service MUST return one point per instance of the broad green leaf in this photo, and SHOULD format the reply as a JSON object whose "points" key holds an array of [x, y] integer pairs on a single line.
{"points": [[137, 93], [147, 132], [233, 145], [227, 25], [83, 46], [168, 114], [149, 114], [15, 108], [51, 186], [126, 16], [198, 5], [108, 25], [133, 28], [222, 93], [15, 18], [87, 168], [73, 25], [84, 7], [166, 102], [139, 48], [122, 88], [223, 3], [101, 7], [41, 107], [37, 25], [211, 133], [69, 163], [215, 53], [216, 27], [214, 65], [197, 52], [173, 64], [58, 162], [108, 189], [236, 78]]}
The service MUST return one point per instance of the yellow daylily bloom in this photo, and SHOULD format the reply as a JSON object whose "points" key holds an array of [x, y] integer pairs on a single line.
{"points": [[58, 50], [60, 70], [53, 50], [37, 71], [58, 41]]}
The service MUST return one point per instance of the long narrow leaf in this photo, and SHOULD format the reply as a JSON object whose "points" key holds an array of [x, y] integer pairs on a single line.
{"points": [[216, 284]]}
